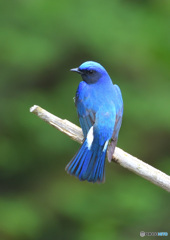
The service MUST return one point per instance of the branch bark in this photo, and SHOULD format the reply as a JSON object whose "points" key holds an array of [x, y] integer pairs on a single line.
{"points": [[126, 160]]}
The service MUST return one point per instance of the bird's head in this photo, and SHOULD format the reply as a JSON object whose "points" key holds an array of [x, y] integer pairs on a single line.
{"points": [[91, 72]]}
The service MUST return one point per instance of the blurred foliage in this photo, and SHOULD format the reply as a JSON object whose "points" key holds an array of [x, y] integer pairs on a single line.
{"points": [[39, 42]]}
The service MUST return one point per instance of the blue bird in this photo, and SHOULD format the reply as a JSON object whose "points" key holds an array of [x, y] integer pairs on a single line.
{"points": [[100, 109]]}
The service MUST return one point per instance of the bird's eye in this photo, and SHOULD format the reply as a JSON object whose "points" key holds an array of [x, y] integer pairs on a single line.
{"points": [[91, 71]]}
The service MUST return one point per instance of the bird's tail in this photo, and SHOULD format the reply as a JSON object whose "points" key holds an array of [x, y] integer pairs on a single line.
{"points": [[89, 164]]}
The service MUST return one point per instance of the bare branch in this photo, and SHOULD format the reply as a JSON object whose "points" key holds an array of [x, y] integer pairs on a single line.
{"points": [[124, 159]]}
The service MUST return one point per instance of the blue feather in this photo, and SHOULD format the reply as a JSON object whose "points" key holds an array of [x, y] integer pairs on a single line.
{"points": [[88, 164]]}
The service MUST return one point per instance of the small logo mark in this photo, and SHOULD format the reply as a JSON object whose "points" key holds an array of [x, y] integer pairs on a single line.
{"points": [[155, 234], [142, 234]]}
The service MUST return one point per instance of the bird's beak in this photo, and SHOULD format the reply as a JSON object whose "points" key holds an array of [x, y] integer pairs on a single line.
{"points": [[75, 70]]}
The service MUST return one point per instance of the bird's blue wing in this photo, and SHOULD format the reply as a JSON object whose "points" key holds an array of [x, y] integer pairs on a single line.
{"points": [[85, 113], [119, 111], [119, 100], [118, 122], [86, 121]]}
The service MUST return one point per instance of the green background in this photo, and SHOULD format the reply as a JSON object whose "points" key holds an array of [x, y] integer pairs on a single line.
{"points": [[39, 42]]}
